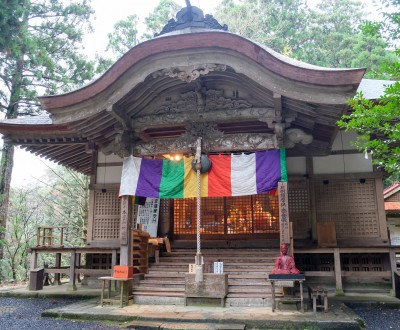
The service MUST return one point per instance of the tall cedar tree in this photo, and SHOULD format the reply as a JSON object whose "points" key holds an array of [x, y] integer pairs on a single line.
{"points": [[39, 54]]}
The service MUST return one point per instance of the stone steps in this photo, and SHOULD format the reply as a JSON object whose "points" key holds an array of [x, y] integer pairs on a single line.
{"points": [[247, 276]]}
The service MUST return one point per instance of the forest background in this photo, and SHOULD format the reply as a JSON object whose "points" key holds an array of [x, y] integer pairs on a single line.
{"points": [[337, 34]]}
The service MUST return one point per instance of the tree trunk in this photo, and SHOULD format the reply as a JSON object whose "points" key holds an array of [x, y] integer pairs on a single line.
{"points": [[6, 166]]}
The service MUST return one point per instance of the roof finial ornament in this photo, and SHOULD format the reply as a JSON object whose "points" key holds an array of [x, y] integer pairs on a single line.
{"points": [[191, 17], [190, 13]]}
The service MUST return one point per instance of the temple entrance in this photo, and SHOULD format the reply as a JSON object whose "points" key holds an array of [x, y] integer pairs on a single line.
{"points": [[241, 217]]}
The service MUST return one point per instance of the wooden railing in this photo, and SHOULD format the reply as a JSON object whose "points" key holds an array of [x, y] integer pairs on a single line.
{"points": [[75, 268]]}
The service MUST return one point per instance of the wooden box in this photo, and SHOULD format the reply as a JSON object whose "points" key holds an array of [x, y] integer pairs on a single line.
{"points": [[123, 272]]}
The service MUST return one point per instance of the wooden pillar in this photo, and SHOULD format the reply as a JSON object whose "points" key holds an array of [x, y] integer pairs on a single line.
{"points": [[393, 266], [311, 189], [33, 259], [338, 269], [125, 230], [382, 221], [78, 265], [57, 277], [72, 275]]}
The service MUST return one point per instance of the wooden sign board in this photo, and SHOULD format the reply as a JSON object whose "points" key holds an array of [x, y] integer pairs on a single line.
{"points": [[283, 213], [326, 233]]}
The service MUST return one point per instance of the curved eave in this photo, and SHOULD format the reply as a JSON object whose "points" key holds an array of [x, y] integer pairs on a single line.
{"points": [[7, 128], [56, 143], [279, 65]]}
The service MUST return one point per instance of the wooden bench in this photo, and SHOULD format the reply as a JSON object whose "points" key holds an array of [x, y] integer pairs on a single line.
{"points": [[318, 294]]}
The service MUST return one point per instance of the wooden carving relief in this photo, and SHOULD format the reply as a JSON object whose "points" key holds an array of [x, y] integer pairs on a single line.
{"points": [[173, 116], [231, 143], [191, 72]]}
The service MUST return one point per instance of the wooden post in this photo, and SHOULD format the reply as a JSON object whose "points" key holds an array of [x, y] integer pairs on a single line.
{"points": [[338, 269], [61, 236], [38, 237], [33, 259], [125, 230], [291, 252], [57, 277], [393, 266], [382, 222], [78, 266], [72, 276]]}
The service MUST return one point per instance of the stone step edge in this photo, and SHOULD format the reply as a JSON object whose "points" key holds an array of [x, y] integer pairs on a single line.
{"points": [[150, 325]]}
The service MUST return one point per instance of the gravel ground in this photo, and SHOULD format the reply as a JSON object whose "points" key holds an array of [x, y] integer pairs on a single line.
{"points": [[25, 314], [379, 317]]}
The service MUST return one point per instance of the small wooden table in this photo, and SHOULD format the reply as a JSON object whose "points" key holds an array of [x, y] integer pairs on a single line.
{"points": [[286, 280], [124, 296], [316, 295]]}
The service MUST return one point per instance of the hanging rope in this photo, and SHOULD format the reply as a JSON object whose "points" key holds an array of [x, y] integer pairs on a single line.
{"points": [[199, 266], [198, 212]]}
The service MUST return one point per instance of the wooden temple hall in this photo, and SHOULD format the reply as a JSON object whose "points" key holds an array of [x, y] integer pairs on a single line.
{"points": [[198, 94]]}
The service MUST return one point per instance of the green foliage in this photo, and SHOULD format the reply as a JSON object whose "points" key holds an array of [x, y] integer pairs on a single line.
{"points": [[42, 55], [378, 123], [25, 214], [10, 12], [125, 33], [378, 127], [329, 36], [61, 200], [163, 12], [280, 25], [66, 204], [124, 36]]}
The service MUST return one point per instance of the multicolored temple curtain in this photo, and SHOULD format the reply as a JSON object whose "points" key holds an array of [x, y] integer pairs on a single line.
{"points": [[230, 175]]}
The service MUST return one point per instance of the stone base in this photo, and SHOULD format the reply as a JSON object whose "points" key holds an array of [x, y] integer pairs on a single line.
{"points": [[151, 300]]}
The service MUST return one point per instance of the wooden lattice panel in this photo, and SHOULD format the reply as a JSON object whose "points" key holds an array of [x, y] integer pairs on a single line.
{"points": [[323, 262], [106, 215], [373, 262], [258, 214], [350, 204], [99, 261], [299, 208]]}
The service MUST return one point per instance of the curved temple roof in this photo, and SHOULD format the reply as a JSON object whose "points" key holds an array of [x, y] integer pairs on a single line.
{"points": [[166, 90]]}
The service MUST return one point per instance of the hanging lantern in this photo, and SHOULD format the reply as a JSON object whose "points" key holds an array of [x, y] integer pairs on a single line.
{"points": [[204, 166]]}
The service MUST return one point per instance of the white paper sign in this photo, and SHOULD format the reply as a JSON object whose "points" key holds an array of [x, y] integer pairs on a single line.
{"points": [[147, 216], [218, 267]]}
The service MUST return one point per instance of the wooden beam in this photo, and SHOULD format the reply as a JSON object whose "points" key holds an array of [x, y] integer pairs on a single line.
{"points": [[277, 104], [120, 116]]}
